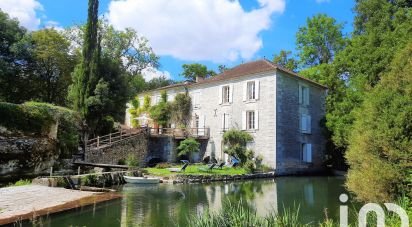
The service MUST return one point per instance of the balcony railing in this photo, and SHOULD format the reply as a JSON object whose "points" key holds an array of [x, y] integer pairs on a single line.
{"points": [[200, 133]]}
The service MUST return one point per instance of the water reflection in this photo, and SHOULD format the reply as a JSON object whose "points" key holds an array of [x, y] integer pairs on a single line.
{"points": [[170, 205]]}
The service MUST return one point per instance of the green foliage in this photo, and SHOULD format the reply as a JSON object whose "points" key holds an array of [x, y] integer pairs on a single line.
{"points": [[188, 146], [241, 214], [319, 40], [181, 109], [285, 61], [38, 118], [380, 147], [163, 165], [191, 71], [161, 113], [235, 144], [132, 160], [20, 182]]}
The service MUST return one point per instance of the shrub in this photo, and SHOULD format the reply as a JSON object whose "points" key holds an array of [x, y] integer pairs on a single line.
{"points": [[161, 112], [235, 142], [188, 146], [20, 182], [181, 109], [132, 160]]}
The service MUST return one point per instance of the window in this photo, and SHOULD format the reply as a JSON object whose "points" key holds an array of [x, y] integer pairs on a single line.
{"points": [[250, 120], [225, 122], [251, 90], [196, 97], [303, 95], [307, 152], [305, 123], [226, 94]]}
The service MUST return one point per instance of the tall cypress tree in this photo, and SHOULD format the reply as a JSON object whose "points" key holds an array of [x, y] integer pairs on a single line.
{"points": [[86, 73]]}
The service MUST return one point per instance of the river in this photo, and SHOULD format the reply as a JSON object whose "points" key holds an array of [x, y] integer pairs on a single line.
{"points": [[170, 205]]}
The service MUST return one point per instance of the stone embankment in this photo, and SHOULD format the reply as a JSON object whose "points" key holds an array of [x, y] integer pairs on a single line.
{"points": [[211, 178]]}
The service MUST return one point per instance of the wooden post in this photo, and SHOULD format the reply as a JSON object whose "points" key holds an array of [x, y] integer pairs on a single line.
{"points": [[51, 171], [120, 134], [110, 138], [78, 170], [98, 141]]}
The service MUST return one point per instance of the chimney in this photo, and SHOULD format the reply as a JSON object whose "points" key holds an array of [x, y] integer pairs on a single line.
{"points": [[199, 79]]}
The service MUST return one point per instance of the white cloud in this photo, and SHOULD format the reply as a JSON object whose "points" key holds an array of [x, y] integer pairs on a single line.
{"points": [[24, 11], [215, 30], [53, 24], [150, 73]]}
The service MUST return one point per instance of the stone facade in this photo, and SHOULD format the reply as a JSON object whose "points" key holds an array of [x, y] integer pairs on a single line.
{"points": [[118, 153], [277, 131]]}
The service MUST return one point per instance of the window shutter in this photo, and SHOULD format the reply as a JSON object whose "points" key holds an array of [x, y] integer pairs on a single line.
{"points": [[245, 91], [223, 122], [300, 95], [306, 96], [257, 89], [230, 93], [308, 152], [303, 125], [308, 124], [244, 120], [220, 94], [256, 119]]}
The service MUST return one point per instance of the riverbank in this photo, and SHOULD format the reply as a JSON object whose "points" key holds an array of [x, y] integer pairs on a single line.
{"points": [[29, 201]]}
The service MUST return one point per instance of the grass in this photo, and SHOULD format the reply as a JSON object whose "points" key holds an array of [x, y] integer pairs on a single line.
{"points": [[20, 182], [194, 170]]}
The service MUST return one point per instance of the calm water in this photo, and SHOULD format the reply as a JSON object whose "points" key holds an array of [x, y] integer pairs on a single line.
{"points": [[169, 205]]}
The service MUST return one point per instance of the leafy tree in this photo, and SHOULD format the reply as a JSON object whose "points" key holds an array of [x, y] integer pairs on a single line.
{"points": [[161, 112], [158, 82], [283, 59], [188, 146], [14, 61], [222, 68], [181, 109], [52, 66], [191, 71], [380, 149], [235, 142], [319, 40]]}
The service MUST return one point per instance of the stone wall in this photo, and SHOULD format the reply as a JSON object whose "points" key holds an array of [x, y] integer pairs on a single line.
{"points": [[289, 137], [24, 157], [118, 153]]}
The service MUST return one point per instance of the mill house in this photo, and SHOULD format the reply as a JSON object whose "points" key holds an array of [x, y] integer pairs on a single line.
{"points": [[279, 108]]}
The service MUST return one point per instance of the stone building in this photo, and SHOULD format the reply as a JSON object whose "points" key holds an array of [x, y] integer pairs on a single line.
{"points": [[279, 108]]}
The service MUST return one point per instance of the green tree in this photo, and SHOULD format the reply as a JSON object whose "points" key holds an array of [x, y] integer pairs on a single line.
{"points": [[158, 82], [14, 61], [320, 40], [181, 109], [283, 59], [188, 146], [380, 148], [85, 76], [52, 66], [235, 142], [191, 71], [161, 112]]}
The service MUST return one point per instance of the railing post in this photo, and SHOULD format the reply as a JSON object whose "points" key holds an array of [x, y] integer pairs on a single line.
{"points": [[98, 141], [110, 138], [120, 134]]}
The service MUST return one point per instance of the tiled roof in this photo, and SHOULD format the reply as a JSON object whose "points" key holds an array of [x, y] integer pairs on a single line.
{"points": [[249, 68]]}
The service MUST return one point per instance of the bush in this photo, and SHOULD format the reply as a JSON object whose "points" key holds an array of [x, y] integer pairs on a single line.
{"points": [[188, 146], [235, 142], [132, 160], [380, 149], [21, 182], [37, 119]]}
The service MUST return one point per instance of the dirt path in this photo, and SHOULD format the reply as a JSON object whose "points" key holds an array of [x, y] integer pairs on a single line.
{"points": [[24, 202]]}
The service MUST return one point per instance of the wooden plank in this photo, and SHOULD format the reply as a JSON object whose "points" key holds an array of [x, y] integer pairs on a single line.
{"points": [[101, 165]]}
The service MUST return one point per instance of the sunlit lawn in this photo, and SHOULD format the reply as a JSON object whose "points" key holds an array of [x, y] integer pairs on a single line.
{"points": [[197, 170]]}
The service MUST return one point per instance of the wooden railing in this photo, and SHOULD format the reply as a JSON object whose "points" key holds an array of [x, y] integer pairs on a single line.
{"points": [[181, 133], [112, 138]]}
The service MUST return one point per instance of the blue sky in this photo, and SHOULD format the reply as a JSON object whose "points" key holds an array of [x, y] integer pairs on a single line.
{"points": [[211, 32]]}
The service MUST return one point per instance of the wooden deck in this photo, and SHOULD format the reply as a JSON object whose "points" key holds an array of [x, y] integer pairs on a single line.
{"points": [[177, 133]]}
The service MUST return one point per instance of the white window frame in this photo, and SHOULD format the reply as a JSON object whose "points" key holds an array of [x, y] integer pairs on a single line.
{"points": [[225, 94], [225, 122], [304, 94], [306, 151], [251, 90]]}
